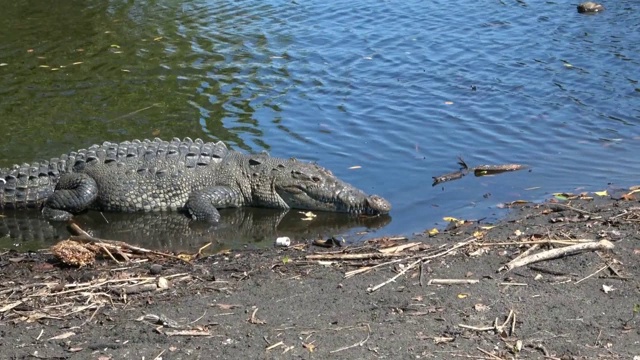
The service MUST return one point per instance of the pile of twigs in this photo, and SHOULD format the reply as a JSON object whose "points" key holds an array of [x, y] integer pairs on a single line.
{"points": [[56, 300], [390, 251]]}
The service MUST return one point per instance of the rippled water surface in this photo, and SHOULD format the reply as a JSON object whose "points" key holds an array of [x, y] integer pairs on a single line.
{"points": [[400, 89]]}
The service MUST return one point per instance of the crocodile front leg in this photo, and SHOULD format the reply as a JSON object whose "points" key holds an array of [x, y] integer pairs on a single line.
{"points": [[204, 204], [74, 193]]}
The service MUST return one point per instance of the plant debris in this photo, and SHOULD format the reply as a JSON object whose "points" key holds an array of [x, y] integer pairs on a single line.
{"points": [[480, 170]]}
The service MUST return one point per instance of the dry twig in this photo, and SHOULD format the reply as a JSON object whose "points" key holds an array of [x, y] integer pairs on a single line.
{"points": [[560, 252], [360, 343], [413, 264], [254, 320], [452, 281]]}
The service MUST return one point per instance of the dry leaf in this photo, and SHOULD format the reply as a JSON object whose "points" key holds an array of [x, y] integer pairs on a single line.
{"points": [[308, 215], [479, 251], [515, 202], [228, 306], [185, 257], [442, 339], [452, 219], [63, 336]]}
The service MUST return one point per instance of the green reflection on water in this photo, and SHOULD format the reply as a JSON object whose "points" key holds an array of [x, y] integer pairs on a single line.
{"points": [[75, 74]]}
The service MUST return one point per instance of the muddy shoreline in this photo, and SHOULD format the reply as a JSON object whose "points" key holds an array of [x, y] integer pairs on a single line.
{"points": [[298, 303]]}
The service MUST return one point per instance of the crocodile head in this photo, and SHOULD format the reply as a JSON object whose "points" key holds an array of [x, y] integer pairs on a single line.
{"points": [[311, 187]]}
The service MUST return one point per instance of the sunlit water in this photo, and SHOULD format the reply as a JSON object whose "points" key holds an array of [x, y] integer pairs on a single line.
{"points": [[399, 89]]}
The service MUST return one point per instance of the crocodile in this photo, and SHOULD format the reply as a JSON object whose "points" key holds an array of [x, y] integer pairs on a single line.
{"points": [[191, 176]]}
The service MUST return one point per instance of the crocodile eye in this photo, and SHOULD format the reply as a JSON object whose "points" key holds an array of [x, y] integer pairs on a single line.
{"points": [[299, 175]]}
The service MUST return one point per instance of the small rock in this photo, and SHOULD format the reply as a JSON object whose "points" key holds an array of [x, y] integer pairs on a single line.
{"points": [[155, 269], [163, 283], [590, 7]]}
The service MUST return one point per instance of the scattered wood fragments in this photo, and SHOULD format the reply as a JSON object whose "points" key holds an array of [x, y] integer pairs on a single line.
{"points": [[507, 328], [480, 170], [82, 249], [384, 251], [57, 299], [44, 299], [163, 323]]}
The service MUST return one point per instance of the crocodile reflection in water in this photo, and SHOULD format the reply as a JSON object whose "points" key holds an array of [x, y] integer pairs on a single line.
{"points": [[169, 230]]}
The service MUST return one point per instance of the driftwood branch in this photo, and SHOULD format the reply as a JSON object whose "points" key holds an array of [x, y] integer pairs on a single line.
{"points": [[557, 253], [480, 170]]}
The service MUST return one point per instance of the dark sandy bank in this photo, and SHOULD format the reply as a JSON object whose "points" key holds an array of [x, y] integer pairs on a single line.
{"points": [[298, 302]]}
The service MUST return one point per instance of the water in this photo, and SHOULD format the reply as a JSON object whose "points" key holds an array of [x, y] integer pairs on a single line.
{"points": [[400, 89]]}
